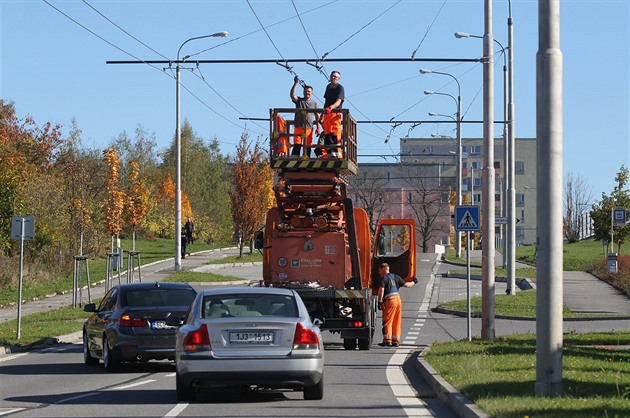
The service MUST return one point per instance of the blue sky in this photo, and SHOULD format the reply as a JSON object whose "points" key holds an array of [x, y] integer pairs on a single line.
{"points": [[55, 70]]}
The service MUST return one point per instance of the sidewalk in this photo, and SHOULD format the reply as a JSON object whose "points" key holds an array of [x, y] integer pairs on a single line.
{"points": [[152, 272]]}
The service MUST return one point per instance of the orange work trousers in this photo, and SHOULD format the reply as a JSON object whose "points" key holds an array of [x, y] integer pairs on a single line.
{"points": [[332, 124], [392, 319], [282, 144]]}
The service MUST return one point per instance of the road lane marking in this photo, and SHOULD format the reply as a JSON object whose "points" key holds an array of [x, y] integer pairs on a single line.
{"points": [[179, 408], [72, 398], [131, 385], [11, 411], [12, 357]]}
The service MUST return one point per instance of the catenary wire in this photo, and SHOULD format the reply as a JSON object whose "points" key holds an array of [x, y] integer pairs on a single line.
{"points": [[364, 26], [99, 36], [127, 33], [413, 54]]}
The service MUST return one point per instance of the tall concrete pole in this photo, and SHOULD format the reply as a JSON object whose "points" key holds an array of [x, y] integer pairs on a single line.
{"points": [[549, 201], [487, 183], [510, 249]]}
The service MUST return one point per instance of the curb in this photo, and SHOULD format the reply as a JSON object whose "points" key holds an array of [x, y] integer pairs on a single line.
{"points": [[445, 392]]}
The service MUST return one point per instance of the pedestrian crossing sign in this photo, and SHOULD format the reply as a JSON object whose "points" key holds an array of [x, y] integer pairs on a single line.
{"points": [[467, 218]]}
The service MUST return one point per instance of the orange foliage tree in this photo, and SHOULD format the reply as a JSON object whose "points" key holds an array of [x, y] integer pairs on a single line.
{"points": [[114, 202], [252, 193], [137, 199], [166, 197]]}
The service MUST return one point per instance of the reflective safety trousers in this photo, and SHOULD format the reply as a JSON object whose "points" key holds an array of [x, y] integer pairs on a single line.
{"points": [[392, 319]]}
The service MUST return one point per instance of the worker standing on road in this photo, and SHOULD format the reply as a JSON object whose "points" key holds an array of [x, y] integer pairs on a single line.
{"points": [[390, 303]]}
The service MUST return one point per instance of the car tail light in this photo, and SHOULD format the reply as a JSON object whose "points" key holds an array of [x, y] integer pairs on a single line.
{"points": [[128, 321], [197, 339], [304, 338]]}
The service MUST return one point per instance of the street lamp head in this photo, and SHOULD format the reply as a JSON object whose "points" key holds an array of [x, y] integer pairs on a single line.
{"points": [[460, 35], [220, 34], [425, 71], [427, 92], [433, 114]]}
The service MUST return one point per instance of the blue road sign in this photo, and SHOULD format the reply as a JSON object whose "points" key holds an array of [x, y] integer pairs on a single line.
{"points": [[619, 216], [467, 218]]}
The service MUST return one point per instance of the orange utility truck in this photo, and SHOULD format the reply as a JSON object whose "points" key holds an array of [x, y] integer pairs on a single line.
{"points": [[314, 240]]}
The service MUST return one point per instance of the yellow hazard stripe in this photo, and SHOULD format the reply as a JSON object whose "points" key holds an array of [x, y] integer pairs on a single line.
{"points": [[313, 164], [350, 294]]}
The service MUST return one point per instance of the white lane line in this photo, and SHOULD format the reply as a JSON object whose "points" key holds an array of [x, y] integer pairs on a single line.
{"points": [[84, 395], [132, 385], [10, 411], [170, 374], [404, 393], [179, 408], [12, 357]]}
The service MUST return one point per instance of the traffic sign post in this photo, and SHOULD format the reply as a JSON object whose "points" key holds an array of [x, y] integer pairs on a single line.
{"points": [[22, 228], [467, 219], [618, 218]]}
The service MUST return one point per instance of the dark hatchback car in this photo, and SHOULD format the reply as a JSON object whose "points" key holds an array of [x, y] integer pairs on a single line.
{"points": [[130, 324]]}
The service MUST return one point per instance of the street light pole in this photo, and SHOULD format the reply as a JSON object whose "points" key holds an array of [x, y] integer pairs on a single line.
{"points": [[178, 151], [458, 235], [507, 123]]}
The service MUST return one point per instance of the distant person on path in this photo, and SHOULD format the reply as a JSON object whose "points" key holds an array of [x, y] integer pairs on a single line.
{"points": [[334, 97], [390, 303], [184, 237], [304, 121], [189, 226]]}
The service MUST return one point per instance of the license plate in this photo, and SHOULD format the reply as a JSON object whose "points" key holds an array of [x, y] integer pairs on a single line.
{"points": [[251, 337], [159, 325]]}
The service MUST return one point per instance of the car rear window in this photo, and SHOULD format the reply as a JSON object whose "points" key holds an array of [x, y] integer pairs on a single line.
{"points": [[159, 297], [249, 305]]}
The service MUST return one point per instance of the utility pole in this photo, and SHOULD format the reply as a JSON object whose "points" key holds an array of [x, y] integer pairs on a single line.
{"points": [[487, 231], [510, 248], [549, 201]]}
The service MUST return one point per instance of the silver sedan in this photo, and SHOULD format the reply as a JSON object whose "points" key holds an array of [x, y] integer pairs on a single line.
{"points": [[249, 338]]}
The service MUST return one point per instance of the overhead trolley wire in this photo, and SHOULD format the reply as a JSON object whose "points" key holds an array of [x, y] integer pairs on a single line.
{"points": [[127, 33], [364, 26], [100, 37], [413, 54]]}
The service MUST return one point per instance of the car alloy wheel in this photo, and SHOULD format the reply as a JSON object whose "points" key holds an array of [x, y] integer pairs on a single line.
{"points": [[110, 358], [87, 356]]}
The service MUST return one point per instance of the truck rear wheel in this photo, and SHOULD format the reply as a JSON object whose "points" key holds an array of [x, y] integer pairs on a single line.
{"points": [[349, 343]]}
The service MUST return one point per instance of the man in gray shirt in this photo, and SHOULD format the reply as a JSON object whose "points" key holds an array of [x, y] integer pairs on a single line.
{"points": [[303, 120]]}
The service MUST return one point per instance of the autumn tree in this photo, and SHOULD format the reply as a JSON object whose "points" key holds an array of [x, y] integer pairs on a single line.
{"points": [[137, 202], [114, 202], [251, 195], [27, 154], [601, 212]]}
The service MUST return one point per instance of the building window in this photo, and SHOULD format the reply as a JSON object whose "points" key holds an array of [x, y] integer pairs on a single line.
{"points": [[497, 165], [445, 198], [409, 198], [520, 199], [475, 149], [522, 216], [519, 167]]}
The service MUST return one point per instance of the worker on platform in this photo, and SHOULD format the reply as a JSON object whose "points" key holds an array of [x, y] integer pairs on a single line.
{"points": [[334, 97], [390, 303], [303, 123]]}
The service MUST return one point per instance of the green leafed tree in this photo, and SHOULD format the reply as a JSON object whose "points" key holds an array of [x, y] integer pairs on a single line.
{"points": [[602, 212]]}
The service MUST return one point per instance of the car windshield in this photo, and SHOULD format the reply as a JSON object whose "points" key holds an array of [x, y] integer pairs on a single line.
{"points": [[249, 305], [159, 297]]}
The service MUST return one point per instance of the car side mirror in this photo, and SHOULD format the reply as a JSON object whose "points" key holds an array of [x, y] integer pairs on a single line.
{"points": [[317, 321], [259, 240], [90, 307]]}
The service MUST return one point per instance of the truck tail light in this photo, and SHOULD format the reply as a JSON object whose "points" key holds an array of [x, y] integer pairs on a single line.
{"points": [[197, 339], [128, 321], [304, 338]]}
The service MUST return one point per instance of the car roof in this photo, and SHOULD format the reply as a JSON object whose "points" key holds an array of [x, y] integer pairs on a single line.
{"points": [[247, 290], [154, 285]]}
